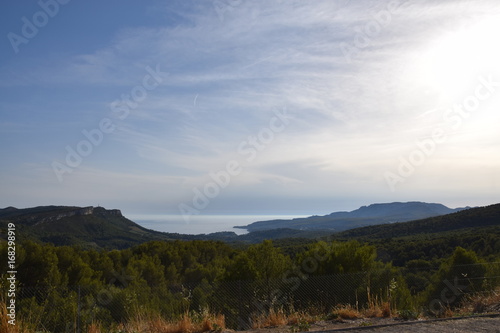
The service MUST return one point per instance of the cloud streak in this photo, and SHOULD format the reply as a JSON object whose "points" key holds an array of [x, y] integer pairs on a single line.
{"points": [[227, 75]]}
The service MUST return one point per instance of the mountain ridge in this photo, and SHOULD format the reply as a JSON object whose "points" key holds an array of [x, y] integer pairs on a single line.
{"points": [[97, 227], [476, 217], [67, 225], [378, 213]]}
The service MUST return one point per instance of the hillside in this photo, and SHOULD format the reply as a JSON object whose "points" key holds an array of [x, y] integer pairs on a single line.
{"points": [[326, 279], [476, 229], [470, 218], [86, 226], [364, 216], [97, 227]]}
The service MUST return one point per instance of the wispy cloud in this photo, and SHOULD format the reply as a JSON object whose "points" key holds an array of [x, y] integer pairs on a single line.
{"points": [[229, 72]]}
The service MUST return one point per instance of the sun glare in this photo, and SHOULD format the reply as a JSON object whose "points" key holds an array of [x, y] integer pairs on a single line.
{"points": [[455, 60]]}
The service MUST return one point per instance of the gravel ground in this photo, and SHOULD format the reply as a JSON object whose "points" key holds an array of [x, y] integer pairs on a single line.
{"points": [[467, 325], [452, 325]]}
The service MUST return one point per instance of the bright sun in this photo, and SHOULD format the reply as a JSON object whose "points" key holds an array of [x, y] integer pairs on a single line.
{"points": [[457, 59]]}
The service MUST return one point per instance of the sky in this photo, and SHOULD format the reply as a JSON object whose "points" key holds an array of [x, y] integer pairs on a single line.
{"points": [[249, 107]]}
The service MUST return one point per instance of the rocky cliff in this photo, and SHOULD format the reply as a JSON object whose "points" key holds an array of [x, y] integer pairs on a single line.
{"points": [[41, 215], [91, 227]]}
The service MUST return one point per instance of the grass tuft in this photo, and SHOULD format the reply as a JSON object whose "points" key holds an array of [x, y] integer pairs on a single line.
{"points": [[272, 319], [94, 327], [481, 303], [346, 312], [188, 323]]}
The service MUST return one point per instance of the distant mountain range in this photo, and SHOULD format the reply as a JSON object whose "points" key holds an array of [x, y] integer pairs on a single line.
{"points": [[97, 227], [380, 213], [468, 221]]}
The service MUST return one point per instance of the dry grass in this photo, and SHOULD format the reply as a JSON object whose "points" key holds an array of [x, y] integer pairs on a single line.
{"points": [[272, 319], [375, 309], [94, 328], [3, 318], [481, 303], [277, 318], [378, 310], [213, 323], [142, 323], [185, 324], [386, 309], [446, 313], [206, 321], [297, 318], [346, 312], [5, 327], [373, 312]]}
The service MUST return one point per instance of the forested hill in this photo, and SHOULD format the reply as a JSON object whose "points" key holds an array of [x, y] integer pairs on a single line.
{"points": [[85, 226], [97, 227], [470, 218], [363, 216]]}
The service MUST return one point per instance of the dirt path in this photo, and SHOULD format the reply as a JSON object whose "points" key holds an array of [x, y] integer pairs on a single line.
{"points": [[469, 325], [452, 325]]}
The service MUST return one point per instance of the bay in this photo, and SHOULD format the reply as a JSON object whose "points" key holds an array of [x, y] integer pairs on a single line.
{"points": [[202, 224]]}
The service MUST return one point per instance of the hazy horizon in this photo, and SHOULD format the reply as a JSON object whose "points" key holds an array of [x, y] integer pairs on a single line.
{"points": [[202, 224]]}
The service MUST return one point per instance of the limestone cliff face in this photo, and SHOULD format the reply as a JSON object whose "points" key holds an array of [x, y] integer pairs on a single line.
{"points": [[60, 215], [107, 212], [75, 212], [88, 227], [83, 211]]}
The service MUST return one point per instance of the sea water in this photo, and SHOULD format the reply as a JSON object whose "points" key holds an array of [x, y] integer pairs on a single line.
{"points": [[202, 224]]}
